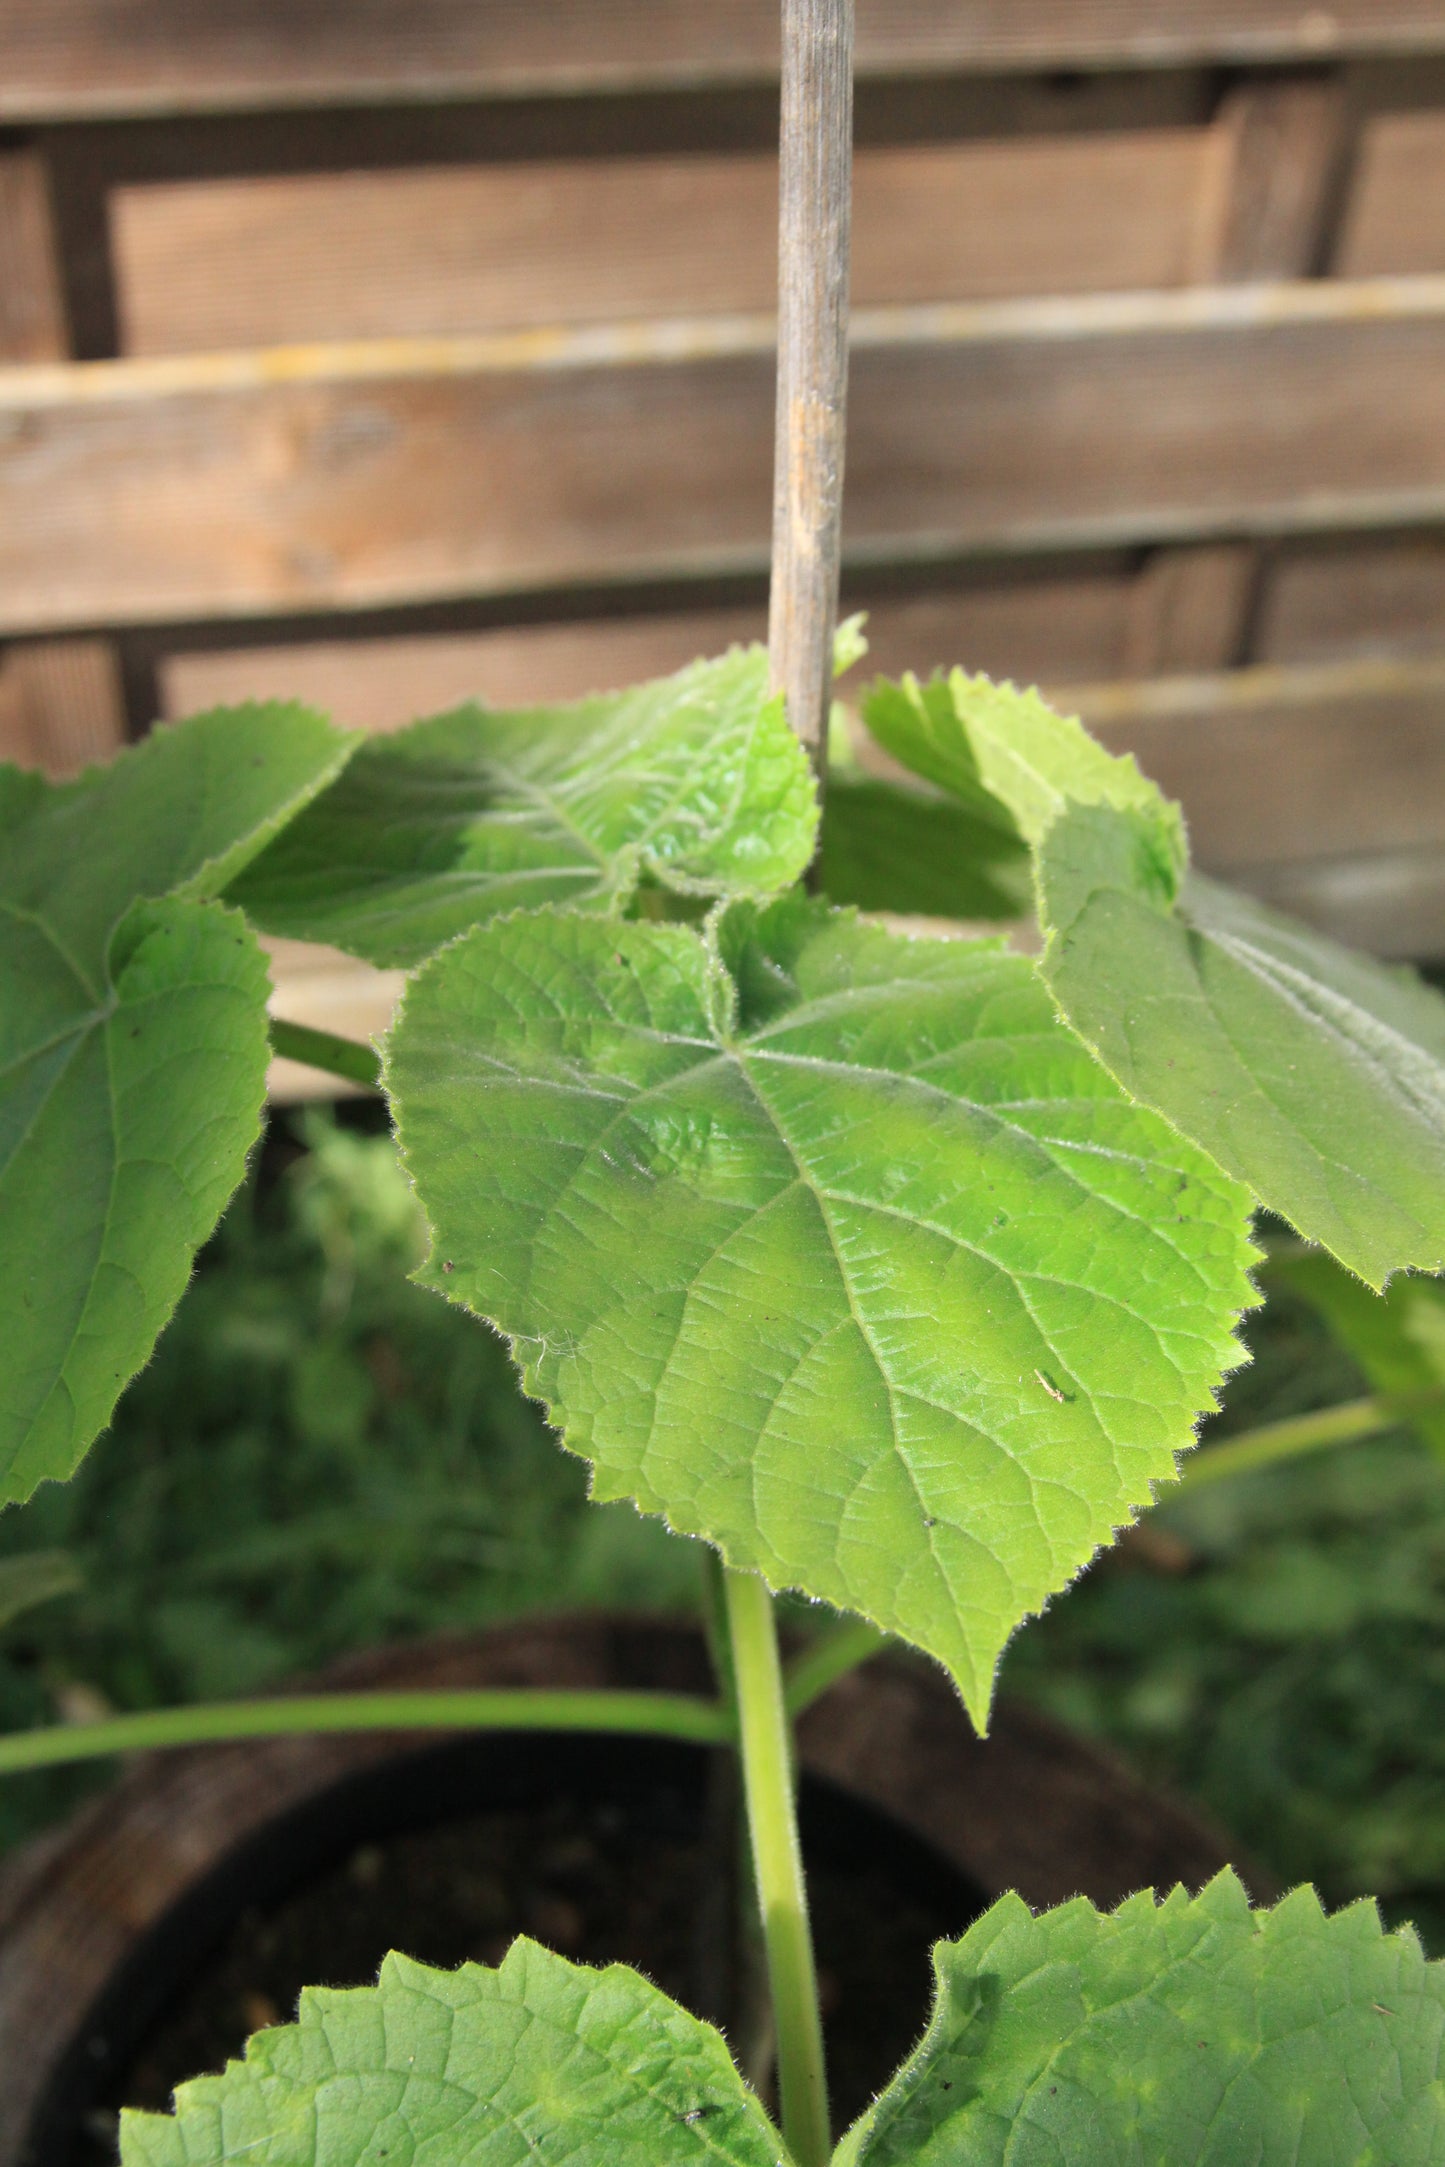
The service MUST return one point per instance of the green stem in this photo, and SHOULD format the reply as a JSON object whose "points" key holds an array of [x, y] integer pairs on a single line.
{"points": [[1285, 1440], [344, 1057], [833, 1654], [661, 1715], [778, 1867]]}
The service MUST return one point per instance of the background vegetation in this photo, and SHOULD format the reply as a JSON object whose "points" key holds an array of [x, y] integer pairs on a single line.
{"points": [[322, 1456]]}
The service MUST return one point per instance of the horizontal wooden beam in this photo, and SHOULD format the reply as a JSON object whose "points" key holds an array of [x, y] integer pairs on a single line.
{"points": [[1283, 767], [271, 259], [1066, 625], [388, 473], [1391, 903], [69, 59], [1322, 788]]}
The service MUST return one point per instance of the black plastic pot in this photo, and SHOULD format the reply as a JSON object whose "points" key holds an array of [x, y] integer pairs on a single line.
{"points": [[127, 1939]]}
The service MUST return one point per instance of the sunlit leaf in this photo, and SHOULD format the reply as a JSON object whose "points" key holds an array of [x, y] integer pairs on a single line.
{"points": [[835, 1248], [1180, 2034], [693, 781], [540, 2060], [1313, 1074]]}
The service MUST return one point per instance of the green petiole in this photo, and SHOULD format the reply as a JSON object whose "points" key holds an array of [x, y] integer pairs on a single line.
{"points": [[659, 1715]]}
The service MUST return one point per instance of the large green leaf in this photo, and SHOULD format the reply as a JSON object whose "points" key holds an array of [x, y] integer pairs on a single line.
{"points": [[833, 1247], [1312, 1074], [693, 781], [1182, 2034], [888, 848], [132, 1052], [1398, 1338], [540, 2061]]}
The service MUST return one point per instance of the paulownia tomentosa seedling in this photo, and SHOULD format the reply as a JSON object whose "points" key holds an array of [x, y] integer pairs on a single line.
{"points": [[896, 1268]]}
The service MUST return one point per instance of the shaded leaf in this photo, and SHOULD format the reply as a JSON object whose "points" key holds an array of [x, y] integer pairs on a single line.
{"points": [[833, 1247], [693, 781], [132, 1052], [888, 848], [1314, 1075], [539, 2059], [1192, 2032], [1398, 1337]]}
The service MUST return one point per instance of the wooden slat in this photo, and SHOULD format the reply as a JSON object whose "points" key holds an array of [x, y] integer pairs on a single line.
{"points": [[1267, 196], [1053, 628], [61, 704], [1377, 598], [1320, 790], [32, 308], [1396, 216], [260, 262], [1280, 141], [1391, 903], [62, 59], [330, 992], [146, 491], [1188, 608], [1279, 767]]}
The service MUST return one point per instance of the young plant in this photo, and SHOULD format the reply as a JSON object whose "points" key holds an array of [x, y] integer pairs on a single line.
{"points": [[898, 1270]]}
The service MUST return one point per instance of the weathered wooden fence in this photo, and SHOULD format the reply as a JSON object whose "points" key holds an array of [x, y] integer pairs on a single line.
{"points": [[387, 355]]}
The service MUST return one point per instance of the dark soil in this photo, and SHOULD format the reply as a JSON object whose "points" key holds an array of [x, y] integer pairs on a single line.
{"points": [[645, 1880]]}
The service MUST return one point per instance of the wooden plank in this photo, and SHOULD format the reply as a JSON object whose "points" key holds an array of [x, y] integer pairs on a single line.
{"points": [[1279, 767], [1322, 791], [1396, 215], [61, 704], [1390, 903], [63, 59], [161, 490], [32, 307], [1188, 609], [255, 262], [1276, 151], [1279, 146], [330, 992], [1380, 598], [1052, 628]]}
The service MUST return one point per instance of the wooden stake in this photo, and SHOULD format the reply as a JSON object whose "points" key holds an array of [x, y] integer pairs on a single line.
{"points": [[813, 233]]}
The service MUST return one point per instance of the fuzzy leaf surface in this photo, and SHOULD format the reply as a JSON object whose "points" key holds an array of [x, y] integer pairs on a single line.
{"points": [[132, 1052], [887, 848], [1398, 1337], [539, 2060], [1192, 2032], [693, 781], [1309, 1072], [835, 1248]]}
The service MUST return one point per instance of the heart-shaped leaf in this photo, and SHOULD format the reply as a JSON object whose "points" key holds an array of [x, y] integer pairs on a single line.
{"points": [[833, 1247], [540, 2060], [694, 782], [132, 1052], [1312, 1074], [1193, 2033]]}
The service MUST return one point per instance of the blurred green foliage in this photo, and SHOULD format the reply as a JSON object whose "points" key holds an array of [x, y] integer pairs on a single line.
{"points": [[322, 1456], [1275, 1648], [319, 1457]]}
